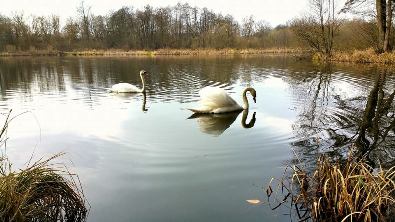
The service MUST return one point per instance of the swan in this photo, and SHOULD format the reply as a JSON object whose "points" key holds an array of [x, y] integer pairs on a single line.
{"points": [[216, 100], [129, 88]]}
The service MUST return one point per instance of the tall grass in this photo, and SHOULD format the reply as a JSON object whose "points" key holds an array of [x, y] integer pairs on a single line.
{"points": [[350, 191], [358, 56], [41, 192], [185, 52], [160, 52]]}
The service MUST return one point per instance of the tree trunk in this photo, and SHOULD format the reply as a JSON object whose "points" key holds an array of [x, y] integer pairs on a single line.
{"points": [[381, 22], [386, 46]]}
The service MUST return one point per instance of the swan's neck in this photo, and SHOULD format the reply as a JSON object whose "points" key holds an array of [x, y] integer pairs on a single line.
{"points": [[143, 82], [245, 100]]}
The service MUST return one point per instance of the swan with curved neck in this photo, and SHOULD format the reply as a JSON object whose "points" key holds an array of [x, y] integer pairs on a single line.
{"points": [[216, 100], [129, 88]]}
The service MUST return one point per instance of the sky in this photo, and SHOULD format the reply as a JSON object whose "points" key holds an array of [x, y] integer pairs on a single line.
{"points": [[274, 12]]}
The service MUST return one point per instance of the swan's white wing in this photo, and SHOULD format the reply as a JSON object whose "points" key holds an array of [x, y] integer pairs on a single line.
{"points": [[215, 100], [215, 97], [124, 87]]}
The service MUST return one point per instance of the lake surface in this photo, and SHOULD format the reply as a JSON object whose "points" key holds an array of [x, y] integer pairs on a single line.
{"points": [[142, 159]]}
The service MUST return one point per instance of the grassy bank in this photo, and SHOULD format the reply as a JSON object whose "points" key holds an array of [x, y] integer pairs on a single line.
{"points": [[359, 56], [340, 191], [161, 52], [31, 53], [356, 56], [41, 191]]}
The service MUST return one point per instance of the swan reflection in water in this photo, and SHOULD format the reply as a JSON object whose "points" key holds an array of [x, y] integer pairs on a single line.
{"points": [[129, 96], [216, 124]]}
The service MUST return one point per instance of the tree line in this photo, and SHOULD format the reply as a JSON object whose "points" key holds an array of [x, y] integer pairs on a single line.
{"points": [[183, 26]]}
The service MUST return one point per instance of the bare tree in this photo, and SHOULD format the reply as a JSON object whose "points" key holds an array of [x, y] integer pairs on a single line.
{"points": [[320, 27], [384, 11], [5, 32], [71, 33], [183, 26], [84, 14]]}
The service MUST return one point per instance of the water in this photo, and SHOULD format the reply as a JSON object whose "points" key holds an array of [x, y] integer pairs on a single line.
{"points": [[142, 159]]}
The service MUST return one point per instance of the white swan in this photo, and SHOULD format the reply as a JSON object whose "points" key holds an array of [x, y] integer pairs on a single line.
{"points": [[129, 88], [216, 100]]}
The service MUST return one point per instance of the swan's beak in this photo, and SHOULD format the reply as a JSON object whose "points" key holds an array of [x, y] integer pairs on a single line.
{"points": [[254, 99]]}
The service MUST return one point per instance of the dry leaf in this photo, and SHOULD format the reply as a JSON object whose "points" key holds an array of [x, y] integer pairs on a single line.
{"points": [[253, 201]]}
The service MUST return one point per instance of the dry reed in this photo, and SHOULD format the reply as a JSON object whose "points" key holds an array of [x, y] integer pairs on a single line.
{"points": [[358, 56], [41, 192], [350, 191], [185, 52], [159, 52]]}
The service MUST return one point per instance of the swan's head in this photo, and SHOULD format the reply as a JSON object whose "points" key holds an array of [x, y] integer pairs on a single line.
{"points": [[253, 94], [143, 73]]}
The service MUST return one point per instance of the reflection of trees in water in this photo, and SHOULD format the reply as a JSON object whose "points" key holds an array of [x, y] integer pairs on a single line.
{"points": [[377, 128], [312, 129], [331, 123], [173, 78], [29, 74], [334, 123]]}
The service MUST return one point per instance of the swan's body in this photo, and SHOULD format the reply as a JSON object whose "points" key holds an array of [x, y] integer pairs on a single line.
{"points": [[129, 88], [216, 100]]}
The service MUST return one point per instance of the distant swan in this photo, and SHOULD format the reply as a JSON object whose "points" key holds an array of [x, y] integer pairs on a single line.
{"points": [[216, 100], [129, 88]]}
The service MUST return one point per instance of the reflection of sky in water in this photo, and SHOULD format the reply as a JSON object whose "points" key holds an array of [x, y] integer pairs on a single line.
{"points": [[158, 165]]}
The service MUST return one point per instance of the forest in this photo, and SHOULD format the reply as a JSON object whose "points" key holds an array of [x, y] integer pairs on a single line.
{"points": [[322, 28]]}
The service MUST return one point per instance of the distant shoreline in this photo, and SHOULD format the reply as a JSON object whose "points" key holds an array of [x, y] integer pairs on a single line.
{"points": [[159, 52], [367, 56]]}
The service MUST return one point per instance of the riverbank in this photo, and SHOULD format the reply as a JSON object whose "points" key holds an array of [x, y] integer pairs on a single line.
{"points": [[161, 52], [348, 190], [368, 56]]}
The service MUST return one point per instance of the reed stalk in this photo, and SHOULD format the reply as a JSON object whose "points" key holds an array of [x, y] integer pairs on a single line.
{"points": [[349, 191], [41, 192]]}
